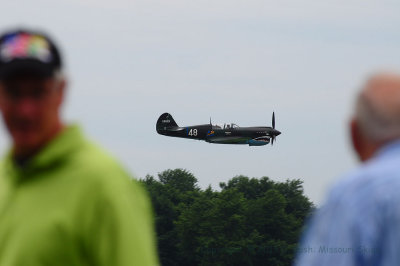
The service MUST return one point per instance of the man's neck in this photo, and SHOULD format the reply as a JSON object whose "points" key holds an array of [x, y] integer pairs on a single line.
{"points": [[370, 150], [22, 155]]}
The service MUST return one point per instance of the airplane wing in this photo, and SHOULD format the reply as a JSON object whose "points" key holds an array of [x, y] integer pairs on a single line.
{"points": [[228, 140]]}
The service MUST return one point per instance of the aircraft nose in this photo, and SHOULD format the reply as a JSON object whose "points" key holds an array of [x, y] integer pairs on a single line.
{"points": [[276, 132]]}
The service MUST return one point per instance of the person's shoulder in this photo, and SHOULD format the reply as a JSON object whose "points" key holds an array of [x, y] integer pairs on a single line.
{"points": [[102, 174], [95, 164], [93, 157], [370, 181]]}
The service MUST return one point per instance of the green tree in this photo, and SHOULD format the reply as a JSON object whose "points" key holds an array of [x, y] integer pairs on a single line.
{"points": [[249, 222]]}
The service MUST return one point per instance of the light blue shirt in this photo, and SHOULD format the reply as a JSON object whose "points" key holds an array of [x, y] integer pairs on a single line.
{"points": [[360, 222]]}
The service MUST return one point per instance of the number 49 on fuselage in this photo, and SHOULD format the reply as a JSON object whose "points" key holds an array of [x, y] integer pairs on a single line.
{"points": [[227, 134]]}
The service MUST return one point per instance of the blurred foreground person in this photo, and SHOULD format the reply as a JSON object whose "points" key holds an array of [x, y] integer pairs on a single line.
{"points": [[63, 200], [360, 222]]}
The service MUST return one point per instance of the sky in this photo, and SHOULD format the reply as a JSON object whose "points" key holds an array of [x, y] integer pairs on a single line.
{"points": [[127, 62]]}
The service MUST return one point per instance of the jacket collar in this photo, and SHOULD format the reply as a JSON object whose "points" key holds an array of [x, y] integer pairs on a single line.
{"points": [[53, 153]]}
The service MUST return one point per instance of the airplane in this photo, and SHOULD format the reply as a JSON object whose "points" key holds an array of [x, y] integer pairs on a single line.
{"points": [[228, 134]]}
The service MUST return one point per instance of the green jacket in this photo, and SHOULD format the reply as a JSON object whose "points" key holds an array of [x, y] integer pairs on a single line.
{"points": [[72, 204]]}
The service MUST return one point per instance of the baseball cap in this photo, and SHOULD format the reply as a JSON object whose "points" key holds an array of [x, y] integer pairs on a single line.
{"points": [[28, 52]]}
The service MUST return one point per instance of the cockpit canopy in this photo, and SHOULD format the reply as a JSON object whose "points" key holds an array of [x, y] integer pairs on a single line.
{"points": [[225, 126], [229, 126]]}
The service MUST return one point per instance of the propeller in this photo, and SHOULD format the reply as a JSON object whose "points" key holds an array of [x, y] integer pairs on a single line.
{"points": [[274, 132], [273, 120]]}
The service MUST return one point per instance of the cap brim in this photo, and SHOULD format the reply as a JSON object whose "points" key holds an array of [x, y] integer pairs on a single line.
{"points": [[26, 68]]}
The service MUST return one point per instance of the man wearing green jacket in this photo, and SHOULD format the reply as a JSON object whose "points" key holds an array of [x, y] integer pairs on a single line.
{"points": [[63, 200]]}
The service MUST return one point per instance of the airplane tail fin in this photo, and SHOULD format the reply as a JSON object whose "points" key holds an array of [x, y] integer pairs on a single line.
{"points": [[165, 121]]}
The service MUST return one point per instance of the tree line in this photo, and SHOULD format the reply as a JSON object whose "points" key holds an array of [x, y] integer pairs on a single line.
{"points": [[248, 221]]}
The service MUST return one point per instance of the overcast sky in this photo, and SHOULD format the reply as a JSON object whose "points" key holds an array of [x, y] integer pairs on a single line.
{"points": [[236, 61]]}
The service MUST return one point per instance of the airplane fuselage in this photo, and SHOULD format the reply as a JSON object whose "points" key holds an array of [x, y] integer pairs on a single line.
{"points": [[228, 134]]}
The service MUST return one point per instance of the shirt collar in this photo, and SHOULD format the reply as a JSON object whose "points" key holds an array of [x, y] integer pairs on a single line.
{"points": [[389, 149], [54, 152]]}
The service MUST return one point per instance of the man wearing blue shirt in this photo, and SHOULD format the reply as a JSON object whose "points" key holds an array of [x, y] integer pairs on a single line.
{"points": [[359, 224]]}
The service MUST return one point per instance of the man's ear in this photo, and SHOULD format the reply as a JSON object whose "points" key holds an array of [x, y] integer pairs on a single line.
{"points": [[363, 149], [61, 91], [356, 138], [1, 95]]}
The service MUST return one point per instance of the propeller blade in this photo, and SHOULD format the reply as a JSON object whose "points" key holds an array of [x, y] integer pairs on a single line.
{"points": [[273, 120]]}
